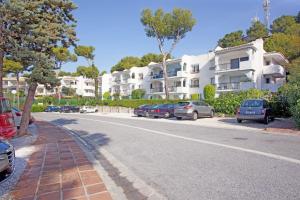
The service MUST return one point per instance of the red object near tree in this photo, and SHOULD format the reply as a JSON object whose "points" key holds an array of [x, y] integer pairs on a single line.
{"points": [[7, 125]]}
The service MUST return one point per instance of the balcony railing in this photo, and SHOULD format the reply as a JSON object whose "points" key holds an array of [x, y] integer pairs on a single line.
{"points": [[194, 85], [157, 76], [229, 86], [225, 66], [194, 71], [159, 89]]}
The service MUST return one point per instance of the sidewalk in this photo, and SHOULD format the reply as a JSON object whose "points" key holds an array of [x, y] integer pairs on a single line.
{"points": [[59, 170]]}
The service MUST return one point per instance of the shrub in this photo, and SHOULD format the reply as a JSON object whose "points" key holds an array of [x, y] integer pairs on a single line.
{"points": [[38, 108], [106, 96], [138, 94], [227, 103], [195, 96], [296, 113], [209, 92]]}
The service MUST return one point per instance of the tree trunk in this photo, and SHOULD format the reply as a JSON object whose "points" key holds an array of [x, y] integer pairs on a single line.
{"points": [[27, 109], [164, 63], [1, 72], [18, 89], [96, 88]]}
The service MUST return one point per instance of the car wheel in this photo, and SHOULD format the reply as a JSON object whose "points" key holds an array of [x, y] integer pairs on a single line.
{"points": [[195, 115], [178, 118], [266, 120], [212, 114], [239, 120]]}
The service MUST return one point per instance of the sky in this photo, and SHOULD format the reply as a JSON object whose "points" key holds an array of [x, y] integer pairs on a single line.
{"points": [[114, 28]]}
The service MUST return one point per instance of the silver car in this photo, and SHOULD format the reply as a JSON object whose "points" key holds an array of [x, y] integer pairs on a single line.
{"points": [[193, 110]]}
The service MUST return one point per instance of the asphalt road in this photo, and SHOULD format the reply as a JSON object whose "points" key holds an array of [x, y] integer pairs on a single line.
{"points": [[184, 162]]}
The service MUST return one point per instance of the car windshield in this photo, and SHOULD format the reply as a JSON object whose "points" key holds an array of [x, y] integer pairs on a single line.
{"points": [[252, 103], [183, 103]]}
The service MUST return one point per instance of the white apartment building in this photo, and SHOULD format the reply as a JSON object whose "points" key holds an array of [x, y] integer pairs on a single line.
{"points": [[230, 69], [10, 84], [248, 66], [83, 86]]}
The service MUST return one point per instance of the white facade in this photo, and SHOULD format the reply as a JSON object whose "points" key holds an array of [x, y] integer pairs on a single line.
{"points": [[83, 86], [248, 66], [230, 69]]}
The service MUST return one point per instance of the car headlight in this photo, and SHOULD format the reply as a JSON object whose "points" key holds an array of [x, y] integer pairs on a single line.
{"points": [[3, 156]]}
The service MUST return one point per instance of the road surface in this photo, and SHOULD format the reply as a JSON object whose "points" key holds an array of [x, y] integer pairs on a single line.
{"points": [[182, 162]]}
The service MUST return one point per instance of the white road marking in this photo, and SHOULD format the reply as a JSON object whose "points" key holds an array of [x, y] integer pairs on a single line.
{"points": [[270, 155]]}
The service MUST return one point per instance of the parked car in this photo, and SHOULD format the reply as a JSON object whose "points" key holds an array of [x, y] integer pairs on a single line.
{"points": [[193, 110], [142, 111], [69, 109], [7, 124], [88, 109], [7, 159], [163, 111], [52, 109], [255, 109]]}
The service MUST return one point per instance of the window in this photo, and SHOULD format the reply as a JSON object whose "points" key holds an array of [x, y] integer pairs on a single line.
{"points": [[268, 62], [184, 67], [183, 83], [212, 80], [195, 68], [133, 75], [151, 86], [141, 76], [178, 83], [268, 81], [235, 63], [132, 87], [244, 59]]}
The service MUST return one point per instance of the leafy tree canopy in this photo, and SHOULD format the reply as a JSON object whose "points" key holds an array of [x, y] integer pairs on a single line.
{"points": [[103, 72], [138, 94], [151, 57], [257, 30], [287, 25], [86, 52], [288, 45], [11, 66], [126, 63], [232, 39], [63, 55], [89, 72]]}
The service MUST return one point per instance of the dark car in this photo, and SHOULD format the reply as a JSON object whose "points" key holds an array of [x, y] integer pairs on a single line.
{"points": [[7, 159], [193, 110], [255, 109], [163, 111], [142, 111], [69, 109], [7, 124], [52, 109]]}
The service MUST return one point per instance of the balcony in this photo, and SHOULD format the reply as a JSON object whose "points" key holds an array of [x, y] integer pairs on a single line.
{"points": [[194, 86], [235, 86], [245, 65], [117, 81], [276, 71], [157, 90], [157, 76]]}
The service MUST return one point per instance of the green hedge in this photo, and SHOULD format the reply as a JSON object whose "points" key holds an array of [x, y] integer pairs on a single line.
{"points": [[134, 103], [38, 108], [296, 113], [228, 102]]}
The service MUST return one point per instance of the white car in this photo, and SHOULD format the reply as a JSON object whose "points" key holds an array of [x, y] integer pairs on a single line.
{"points": [[88, 109]]}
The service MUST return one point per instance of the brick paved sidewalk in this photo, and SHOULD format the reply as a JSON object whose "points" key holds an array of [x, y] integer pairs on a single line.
{"points": [[59, 169]]}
